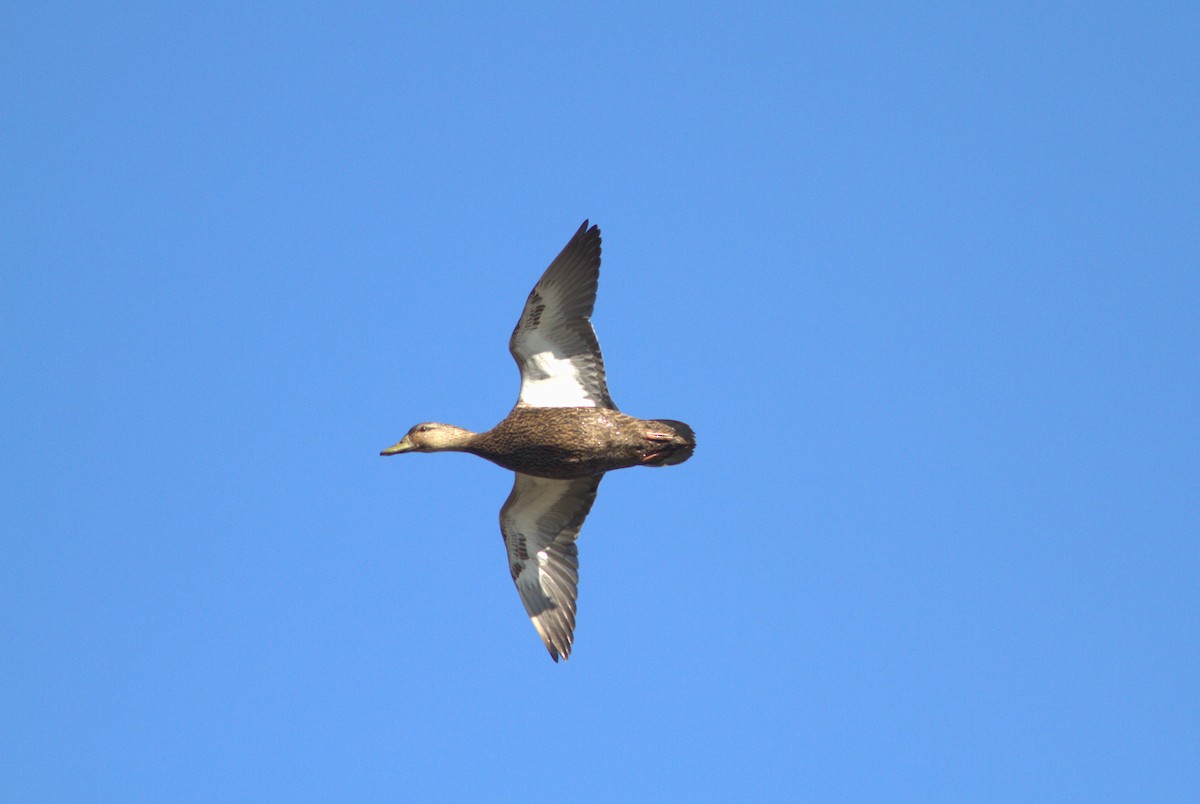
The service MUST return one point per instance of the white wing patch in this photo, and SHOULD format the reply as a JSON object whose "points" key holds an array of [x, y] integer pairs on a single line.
{"points": [[550, 381]]}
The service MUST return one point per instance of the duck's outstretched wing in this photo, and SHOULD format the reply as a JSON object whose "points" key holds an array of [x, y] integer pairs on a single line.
{"points": [[540, 521], [554, 343]]}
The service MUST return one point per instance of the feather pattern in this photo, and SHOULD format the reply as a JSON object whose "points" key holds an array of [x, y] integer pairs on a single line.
{"points": [[540, 522], [554, 343]]}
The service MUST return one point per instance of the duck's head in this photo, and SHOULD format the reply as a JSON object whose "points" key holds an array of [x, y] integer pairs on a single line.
{"points": [[431, 437]]}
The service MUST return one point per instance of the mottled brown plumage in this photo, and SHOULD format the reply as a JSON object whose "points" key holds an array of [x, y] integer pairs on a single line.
{"points": [[563, 435], [563, 443]]}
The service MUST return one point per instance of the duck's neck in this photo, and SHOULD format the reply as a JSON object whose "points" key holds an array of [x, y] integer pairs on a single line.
{"points": [[451, 438]]}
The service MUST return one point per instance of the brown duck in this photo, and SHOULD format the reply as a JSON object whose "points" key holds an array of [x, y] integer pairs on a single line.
{"points": [[563, 435]]}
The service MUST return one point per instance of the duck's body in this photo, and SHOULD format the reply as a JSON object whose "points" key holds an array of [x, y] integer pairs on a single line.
{"points": [[563, 435], [566, 443], [579, 442]]}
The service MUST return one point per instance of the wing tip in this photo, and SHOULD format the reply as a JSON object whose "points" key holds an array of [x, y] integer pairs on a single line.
{"points": [[557, 644], [588, 230], [557, 640]]}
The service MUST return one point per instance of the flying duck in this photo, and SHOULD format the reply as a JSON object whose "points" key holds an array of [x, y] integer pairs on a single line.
{"points": [[563, 434]]}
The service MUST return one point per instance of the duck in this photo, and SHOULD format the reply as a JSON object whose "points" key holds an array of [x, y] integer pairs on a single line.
{"points": [[562, 436]]}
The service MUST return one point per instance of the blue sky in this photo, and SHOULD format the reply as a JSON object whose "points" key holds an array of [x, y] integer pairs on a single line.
{"points": [[924, 278]]}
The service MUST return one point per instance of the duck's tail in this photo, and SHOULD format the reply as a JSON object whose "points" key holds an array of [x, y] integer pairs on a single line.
{"points": [[674, 442]]}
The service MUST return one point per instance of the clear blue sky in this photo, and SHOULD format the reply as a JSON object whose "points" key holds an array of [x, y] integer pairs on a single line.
{"points": [[925, 280]]}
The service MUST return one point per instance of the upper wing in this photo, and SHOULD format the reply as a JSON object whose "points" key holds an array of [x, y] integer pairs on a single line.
{"points": [[554, 343], [540, 521]]}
